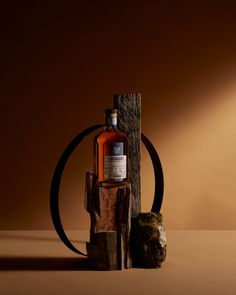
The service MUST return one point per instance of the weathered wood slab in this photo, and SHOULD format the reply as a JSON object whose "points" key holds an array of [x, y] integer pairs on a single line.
{"points": [[101, 202], [109, 206], [129, 114], [123, 228], [102, 252], [90, 180]]}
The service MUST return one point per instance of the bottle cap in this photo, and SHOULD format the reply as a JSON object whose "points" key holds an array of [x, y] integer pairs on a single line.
{"points": [[111, 112]]}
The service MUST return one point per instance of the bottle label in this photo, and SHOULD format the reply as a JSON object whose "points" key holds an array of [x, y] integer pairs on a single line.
{"points": [[115, 162]]}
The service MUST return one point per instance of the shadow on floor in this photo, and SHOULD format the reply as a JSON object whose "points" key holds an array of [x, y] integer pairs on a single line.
{"points": [[43, 263], [12, 236]]}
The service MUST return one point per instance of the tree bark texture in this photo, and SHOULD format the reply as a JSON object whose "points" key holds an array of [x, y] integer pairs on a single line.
{"points": [[129, 121], [109, 207]]}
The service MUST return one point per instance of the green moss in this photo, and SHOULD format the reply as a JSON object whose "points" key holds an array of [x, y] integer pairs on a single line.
{"points": [[159, 217], [150, 217], [145, 240], [147, 224]]}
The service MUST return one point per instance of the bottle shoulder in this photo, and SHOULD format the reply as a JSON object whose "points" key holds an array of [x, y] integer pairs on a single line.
{"points": [[110, 135]]}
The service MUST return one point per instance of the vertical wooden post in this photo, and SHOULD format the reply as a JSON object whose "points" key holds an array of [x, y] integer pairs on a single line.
{"points": [[129, 114]]}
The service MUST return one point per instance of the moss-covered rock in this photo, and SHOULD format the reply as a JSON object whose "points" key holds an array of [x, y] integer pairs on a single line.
{"points": [[148, 240]]}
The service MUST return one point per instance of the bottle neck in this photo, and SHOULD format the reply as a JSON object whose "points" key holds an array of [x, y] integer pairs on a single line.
{"points": [[111, 121]]}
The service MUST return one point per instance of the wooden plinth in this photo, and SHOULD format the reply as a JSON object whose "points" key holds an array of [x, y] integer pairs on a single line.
{"points": [[109, 207]]}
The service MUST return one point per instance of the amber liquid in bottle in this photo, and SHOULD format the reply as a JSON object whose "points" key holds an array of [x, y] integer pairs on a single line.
{"points": [[111, 151]]}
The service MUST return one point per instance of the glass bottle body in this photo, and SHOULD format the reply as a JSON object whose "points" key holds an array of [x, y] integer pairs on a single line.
{"points": [[111, 155]]}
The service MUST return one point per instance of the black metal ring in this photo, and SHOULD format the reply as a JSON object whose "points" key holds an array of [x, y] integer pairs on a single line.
{"points": [[56, 179]]}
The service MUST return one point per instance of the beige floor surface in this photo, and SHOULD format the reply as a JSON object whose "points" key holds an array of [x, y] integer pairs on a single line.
{"points": [[36, 262]]}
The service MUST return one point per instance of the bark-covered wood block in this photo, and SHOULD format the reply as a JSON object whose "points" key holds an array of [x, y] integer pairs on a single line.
{"points": [[148, 240], [102, 251], [123, 218], [101, 203], [109, 206], [129, 120]]}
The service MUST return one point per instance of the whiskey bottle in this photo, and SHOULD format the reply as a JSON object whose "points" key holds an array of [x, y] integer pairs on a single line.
{"points": [[111, 151]]}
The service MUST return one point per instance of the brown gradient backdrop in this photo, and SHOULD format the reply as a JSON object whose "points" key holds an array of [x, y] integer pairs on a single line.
{"points": [[60, 65]]}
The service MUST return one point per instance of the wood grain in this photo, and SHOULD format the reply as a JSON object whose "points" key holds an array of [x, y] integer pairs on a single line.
{"points": [[109, 206], [129, 121], [123, 228]]}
